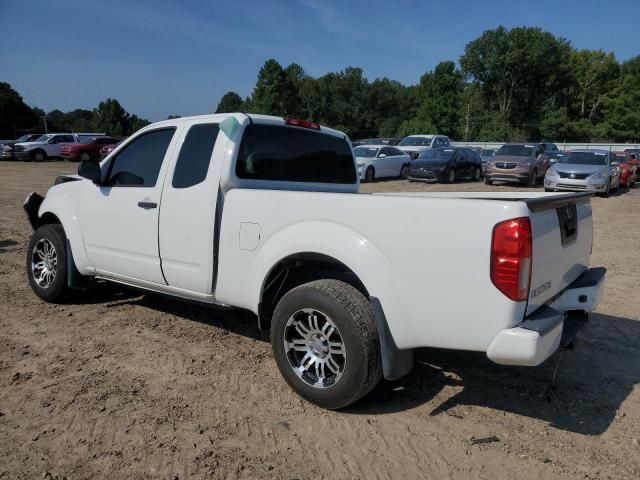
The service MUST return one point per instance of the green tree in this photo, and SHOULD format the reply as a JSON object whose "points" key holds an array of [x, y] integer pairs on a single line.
{"points": [[595, 74], [440, 93], [111, 118], [230, 102], [269, 94], [15, 115]]}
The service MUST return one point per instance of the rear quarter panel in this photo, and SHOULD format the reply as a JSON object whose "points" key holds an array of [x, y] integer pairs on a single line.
{"points": [[426, 259]]}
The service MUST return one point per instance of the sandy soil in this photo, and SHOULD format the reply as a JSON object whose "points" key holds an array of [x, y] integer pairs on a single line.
{"points": [[124, 385]]}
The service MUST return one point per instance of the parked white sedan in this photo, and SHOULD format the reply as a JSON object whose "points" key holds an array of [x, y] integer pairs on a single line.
{"points": [[379, 161]]}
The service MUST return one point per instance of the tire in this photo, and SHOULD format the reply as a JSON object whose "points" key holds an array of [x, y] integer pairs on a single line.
{"points": [[38, 156], [84, 156], [476, 174], [369, 175], [404, 171], [351, 365], [606, 193], [533, 179], [451, 178], [548, 189], [48, 247]]}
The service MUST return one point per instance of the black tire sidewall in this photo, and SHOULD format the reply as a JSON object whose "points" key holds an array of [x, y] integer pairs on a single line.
{"points": [[55, 234], [342, 393], [369, 175]]}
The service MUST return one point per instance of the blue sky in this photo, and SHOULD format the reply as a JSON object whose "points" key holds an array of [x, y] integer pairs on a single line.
{"points": [[179, 57]]}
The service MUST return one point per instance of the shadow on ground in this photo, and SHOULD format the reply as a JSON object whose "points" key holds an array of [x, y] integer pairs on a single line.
{"points": [[594, 378]]}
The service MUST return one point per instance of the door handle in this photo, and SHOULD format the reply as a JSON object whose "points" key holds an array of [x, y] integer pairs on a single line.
{"points": [[147, 205]]}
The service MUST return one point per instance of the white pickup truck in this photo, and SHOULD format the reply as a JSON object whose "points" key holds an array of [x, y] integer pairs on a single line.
{"points": [[264, 214]]}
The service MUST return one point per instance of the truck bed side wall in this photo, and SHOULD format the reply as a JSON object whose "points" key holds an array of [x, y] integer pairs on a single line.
{"points": [[427, 260]]}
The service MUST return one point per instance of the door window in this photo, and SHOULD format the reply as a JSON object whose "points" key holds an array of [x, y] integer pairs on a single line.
{"points": [[193, 162], [138, 164]]}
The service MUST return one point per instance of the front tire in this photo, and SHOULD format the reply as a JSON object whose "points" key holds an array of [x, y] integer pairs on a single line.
{"points": [[487, 181], [38, 156], [476, 174], [533, 178], [451, 178], [404, 171], [369, 175], [84, 157], [325, 343], [47, 263]]}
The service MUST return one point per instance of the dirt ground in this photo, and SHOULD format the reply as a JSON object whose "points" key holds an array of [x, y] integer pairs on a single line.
{"points": [[124, 385]]}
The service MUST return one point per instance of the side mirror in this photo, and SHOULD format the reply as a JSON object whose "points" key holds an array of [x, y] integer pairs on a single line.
{"points": [[614, 164], [552, 160], [382, 155], [90, 169]]}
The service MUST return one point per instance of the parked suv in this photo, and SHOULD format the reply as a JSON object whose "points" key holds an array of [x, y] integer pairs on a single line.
{"points": [[47, 145], [517, 163], [415, 144], [87, 148]]}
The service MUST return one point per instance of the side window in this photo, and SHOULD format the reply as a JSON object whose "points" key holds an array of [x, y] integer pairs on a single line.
{"points": [[140, 161], [445, 142], [386, 151], [193, 162], [395, 151], [436, 142]]}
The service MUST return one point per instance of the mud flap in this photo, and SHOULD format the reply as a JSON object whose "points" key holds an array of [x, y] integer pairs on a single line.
{"points": [[31, 207], [396, 363]]}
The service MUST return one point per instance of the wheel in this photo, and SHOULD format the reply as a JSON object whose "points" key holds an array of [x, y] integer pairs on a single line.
{"points": [[606, 193], [369, 175], [487, 181], [47, 263], [548, 189], [451, 178], [325, 343], [476, 174], [38, 156], [404, 171], [532, 179], [84, 157]]}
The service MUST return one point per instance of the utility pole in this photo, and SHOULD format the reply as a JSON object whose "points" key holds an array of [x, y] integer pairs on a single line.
{"points": [[44, 118]]}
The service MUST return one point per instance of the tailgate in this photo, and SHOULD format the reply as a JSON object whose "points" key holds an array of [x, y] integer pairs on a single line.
{"points": [[562, 230]]}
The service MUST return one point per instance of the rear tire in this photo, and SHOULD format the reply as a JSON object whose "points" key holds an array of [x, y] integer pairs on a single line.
{"points": [[325, 343], [533, 179], [476, 174], [47, 263]]}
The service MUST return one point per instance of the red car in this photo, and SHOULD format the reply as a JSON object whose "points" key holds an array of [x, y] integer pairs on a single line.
{"points": [[88, 148], [628, 169], [107, 149]]}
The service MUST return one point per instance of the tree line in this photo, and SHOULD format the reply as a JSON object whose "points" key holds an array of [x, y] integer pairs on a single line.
{"points": [[509, 84], [18, 118]]}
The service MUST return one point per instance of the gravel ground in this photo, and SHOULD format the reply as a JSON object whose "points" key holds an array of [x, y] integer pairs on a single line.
{"points": [[124, 385]]}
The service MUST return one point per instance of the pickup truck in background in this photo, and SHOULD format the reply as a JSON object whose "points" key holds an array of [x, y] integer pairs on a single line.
{"points": [[47, 146], [87, 148], [263, 213]]}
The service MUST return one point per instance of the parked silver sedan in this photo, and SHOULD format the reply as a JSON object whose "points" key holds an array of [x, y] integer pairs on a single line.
{"points": [[584, 170], [378, 161]]}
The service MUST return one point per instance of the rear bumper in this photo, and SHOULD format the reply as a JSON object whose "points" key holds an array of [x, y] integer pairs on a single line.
{"points": [[535, 339]]}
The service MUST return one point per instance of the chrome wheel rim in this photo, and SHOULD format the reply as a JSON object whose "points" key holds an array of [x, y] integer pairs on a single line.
{"points": [[84, 156], [314, 347], [44, 263]]}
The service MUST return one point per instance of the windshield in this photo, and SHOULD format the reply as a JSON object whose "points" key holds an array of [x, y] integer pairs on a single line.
{"points": [[27, 138], [516, 150], [415, 142], [43, 138], [487, 153], [86, 140], [585, 158], [437, 154], [368, 152]]}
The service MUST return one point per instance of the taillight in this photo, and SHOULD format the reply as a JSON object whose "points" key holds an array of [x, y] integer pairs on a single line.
{"points": [[511, 258], [294, 122]]}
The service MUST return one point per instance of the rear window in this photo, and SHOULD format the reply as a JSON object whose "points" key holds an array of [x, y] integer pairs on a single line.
{"points": [[290, 154]]}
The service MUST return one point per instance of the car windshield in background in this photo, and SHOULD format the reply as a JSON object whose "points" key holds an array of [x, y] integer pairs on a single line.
{"points": [[415, 142], [437, 154], [585, 158], [25, 138], [487, 153], [43, 138], [365, 152], [621, 158], [516, 150], [87, 140]]}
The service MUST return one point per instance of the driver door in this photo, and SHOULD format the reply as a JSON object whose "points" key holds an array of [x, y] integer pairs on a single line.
{"points": [[120, 216]]}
